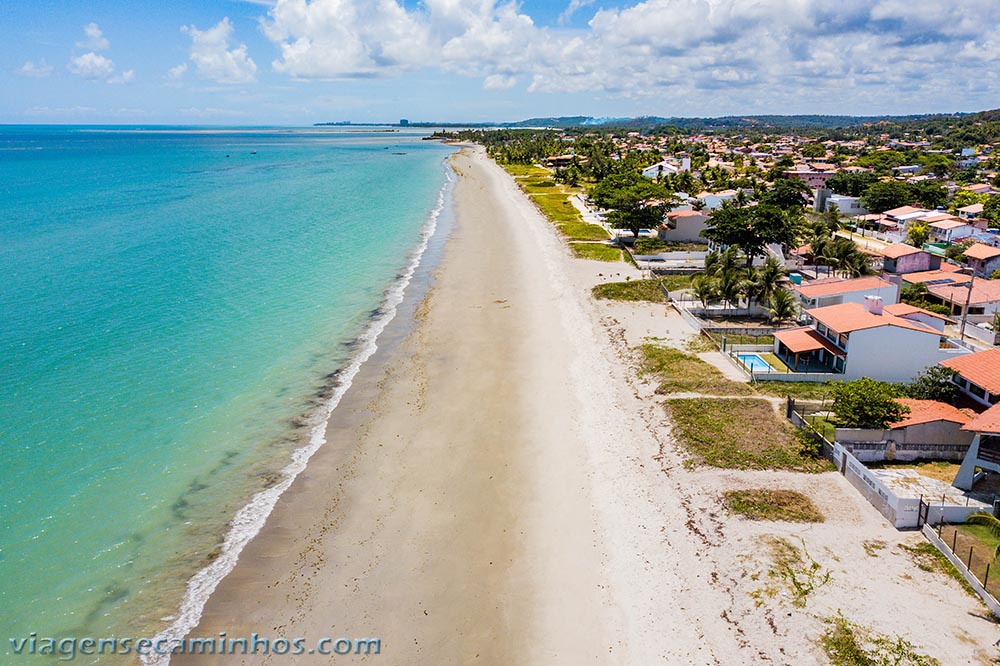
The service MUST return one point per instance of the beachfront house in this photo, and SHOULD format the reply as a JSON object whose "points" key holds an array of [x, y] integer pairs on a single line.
{"points": [[900, 258], [850, 341], [931, 429], [977, 375], [684, 226], [833, 291]]}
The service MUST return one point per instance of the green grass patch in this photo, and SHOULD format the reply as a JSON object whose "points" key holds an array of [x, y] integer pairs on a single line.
{"points": [[768, 504], [801, 390], [596, 251], [928, 558], [583, 231], [849, 644], [983, 534], [655, 246], [631, 290], [556, 207], [739, 433], [794, 573], [680, 372], [527, 170], [745, 339], [677, 282]]}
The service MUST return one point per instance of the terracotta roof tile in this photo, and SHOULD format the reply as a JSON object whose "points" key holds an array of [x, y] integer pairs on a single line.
{"points": [[805, 339], [988, 421], [897, 250], [982, 251], [903, 309], [842, 286], [981, 368], [929, 411], [849, 317]]}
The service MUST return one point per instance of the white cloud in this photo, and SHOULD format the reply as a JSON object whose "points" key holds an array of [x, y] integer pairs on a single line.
{"points": [[95, 41], [125, 77], [214, 60], [725, 55], [572, 8], [177, 73], [499, 82], [91, 66], [41, 70]]}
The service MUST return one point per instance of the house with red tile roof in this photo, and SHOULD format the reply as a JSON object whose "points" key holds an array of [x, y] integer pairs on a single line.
{"points": [[854, 341], [684, 226], [835, 290], [984, 452], [952, 289], [900, 258], [977, 375], [982, 259], [931, 429]]}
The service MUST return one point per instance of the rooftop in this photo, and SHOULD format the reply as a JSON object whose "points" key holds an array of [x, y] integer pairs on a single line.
{"points": [[929, 411], [849, 317], [981, 368], [897, 250], [831, 286], [981, 251], [805, 339]]}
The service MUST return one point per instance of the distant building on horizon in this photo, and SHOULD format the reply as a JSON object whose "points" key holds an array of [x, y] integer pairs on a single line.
{"points": [[403, 122]]}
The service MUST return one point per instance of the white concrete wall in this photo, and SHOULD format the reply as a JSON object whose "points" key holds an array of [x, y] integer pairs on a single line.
{"points": [[688, 230], [891, 354]]}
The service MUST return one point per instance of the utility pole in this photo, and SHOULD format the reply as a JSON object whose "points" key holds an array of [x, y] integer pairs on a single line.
{"points": [[965, 310]]}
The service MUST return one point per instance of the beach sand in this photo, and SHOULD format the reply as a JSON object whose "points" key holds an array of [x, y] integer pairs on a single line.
{"points": [[498, 489]]}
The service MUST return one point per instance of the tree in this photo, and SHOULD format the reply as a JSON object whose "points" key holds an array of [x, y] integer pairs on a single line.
{"points": [[886, 195], [934, 383], [787, 193], [782, 306], [813, 150], [705, 289], [832, 218], [769, 279], [851, 183], [991, 211], [635, 202], [866, 403], [930, 193], [751, 229], [918, 234]]}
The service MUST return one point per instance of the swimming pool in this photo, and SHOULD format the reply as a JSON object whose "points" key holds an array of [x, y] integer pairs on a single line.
{"points": [[754, 363]]}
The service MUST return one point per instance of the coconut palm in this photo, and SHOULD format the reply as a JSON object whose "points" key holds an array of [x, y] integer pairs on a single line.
{"points": [[770, 276], [989, 521], [783, 306], [731, 283], [705, 289]]}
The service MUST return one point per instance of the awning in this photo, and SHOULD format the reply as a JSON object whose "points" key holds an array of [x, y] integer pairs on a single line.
{"points": [[806, 339]]}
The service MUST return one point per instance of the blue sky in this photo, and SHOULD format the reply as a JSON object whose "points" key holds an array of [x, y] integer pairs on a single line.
{"points": [[303, 61]]}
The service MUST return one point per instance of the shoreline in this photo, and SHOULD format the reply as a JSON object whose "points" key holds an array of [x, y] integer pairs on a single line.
{"points": [[378, 333]]}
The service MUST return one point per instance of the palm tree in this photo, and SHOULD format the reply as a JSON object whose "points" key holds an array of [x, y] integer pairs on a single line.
{"points": [[752, 287], [783, 306], [731, 286], [705, 289], [771, 275], [989, 521]]}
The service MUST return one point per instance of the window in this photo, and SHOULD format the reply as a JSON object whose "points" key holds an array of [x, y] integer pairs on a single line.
{"points": [[976, 391]]}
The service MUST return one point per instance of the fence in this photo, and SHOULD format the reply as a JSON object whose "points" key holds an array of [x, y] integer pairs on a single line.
{"points": [[975, 560]]}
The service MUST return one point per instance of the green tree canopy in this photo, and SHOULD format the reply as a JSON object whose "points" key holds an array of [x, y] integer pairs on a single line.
{"points": [[866, 403], [751, 228], [934, 383], [851, 183], [634, 202], [886, 195]]}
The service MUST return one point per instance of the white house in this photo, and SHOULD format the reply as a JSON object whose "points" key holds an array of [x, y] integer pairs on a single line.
{"points": [[684, 226], [846, 205], [982, 259], [977, 375], [660, 169], [713, 200], [833, 291], [948, 229], [852, 341]]}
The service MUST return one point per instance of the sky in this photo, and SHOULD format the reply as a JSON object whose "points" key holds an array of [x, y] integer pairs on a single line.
{"points": [[296, 62]]}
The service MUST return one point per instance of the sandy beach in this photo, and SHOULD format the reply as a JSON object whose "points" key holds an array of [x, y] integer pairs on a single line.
{"points": [[496, 489]]}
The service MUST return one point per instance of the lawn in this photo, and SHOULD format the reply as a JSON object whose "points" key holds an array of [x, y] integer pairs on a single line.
{"points": [[739, 433], [798, 390], [655, 246], [632, 290], [557, 207], [768, 504], [527, 170], [676, 282], [679, 372], [744, 339], [596, 251]]}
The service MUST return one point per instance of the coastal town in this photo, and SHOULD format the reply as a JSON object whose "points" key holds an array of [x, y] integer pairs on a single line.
{"points": [[819, 302]]}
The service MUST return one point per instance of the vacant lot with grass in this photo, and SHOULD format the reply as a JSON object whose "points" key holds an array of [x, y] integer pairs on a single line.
{"points": [[739, 433], [769, 504], [597, 251], [655, 246], [553, 200], [680, 372], [800, 390], [633, 290]]}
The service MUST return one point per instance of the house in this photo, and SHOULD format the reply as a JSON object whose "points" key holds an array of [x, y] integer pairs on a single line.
{"points": [[978, 188], [846, 205], [971, 211], [713, 200], [907, 169], [900, 258], [984, 452], [660, 169], [684, 226], [948, 229], [857, 341], [977, 375], [906, 214], [833, 291], [956, 289], [931, 429], [811, 177], [982, 259]]}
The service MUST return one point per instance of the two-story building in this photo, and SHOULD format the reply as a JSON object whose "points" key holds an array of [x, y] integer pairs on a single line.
{"points": [[854, 341], [977, 375], [684, 226]]}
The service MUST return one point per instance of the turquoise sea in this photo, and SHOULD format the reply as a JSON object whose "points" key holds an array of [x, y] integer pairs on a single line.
{"points": [[175, 305]]}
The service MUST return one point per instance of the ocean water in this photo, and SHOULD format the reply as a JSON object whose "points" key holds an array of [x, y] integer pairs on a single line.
{"points": [[174, 309]]}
